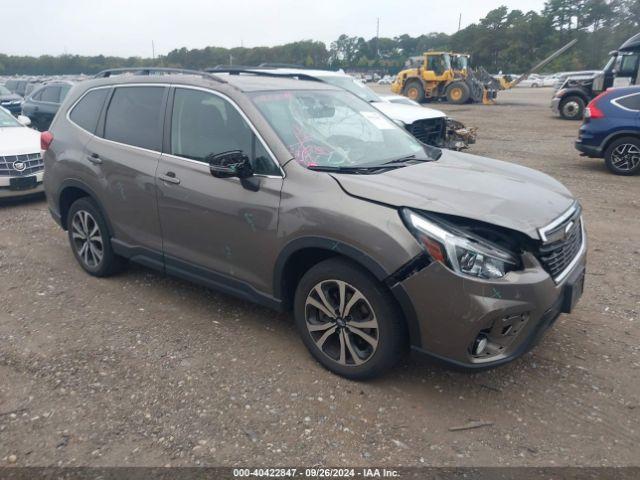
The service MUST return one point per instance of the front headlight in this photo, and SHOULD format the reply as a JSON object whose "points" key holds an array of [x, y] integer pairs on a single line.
{"points": [[461, 251]]}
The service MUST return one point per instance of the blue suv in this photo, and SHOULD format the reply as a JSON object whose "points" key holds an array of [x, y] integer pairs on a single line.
{"points": [[611, 130]]}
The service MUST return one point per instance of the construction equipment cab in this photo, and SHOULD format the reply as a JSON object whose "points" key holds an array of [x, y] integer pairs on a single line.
{"points": [[570, 100]]}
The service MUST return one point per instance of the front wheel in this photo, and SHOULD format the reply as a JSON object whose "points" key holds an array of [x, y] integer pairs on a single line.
{"points": [[458, 93], [348, 321], [572, 108], [414, 91], [622, 157]]}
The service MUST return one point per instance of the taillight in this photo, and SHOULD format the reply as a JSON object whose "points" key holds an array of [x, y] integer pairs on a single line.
{"points": [[45, 140], [592, 111]]}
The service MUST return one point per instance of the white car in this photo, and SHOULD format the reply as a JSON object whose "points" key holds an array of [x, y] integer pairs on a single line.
{"points": [[21, 165], [428, 125], [532, 81]]}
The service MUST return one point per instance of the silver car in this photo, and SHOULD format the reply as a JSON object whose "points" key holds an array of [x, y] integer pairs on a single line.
{"points": [[302, 197]]}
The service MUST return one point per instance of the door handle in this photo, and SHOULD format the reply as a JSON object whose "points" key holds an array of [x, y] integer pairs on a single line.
{"points": [[94, 158], [169, 177]]}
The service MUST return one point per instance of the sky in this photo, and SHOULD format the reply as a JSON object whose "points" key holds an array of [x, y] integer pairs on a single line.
{"points": [[128, 28]]}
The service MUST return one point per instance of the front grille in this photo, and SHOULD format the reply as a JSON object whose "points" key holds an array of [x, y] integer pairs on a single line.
{"points": [[564, 243], [430, 131], [33, 163]]}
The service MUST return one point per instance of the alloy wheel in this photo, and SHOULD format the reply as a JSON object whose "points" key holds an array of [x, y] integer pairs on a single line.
{"points": [[341, 322], [626, 157], [87, 238]]}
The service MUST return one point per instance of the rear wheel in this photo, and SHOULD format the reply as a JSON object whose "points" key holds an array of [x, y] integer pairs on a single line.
{"points": [[348, 321], [458, 93], [572, 108], [622, 157], [414, 90], [90, 240]]}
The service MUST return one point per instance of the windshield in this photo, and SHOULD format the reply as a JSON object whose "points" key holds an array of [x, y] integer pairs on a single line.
{"points": [[352, 85], [4, 90], [460, 62], [610, 63], [336, 129], [7, 120]]}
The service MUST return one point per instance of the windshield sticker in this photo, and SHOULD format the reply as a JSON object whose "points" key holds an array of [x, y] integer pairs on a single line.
{"points": [[378, 120]]}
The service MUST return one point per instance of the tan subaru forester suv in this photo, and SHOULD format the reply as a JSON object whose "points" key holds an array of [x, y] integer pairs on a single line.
{"points": [[300, 196]]}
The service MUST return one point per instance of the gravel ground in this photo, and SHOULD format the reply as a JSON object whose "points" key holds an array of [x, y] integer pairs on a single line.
{"points": [[141, 369]]}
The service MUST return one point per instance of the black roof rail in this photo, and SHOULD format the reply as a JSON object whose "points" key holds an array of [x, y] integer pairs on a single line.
{"points": [[156, 70], [258, 71]]}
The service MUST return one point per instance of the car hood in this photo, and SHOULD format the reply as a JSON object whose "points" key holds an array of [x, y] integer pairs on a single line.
{"points": [[19, 141], [464, 185], [407, 113]]}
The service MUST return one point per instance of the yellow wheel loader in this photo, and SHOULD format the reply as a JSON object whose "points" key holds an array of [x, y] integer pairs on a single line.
{"points": [[438, 76], [448, 76]]}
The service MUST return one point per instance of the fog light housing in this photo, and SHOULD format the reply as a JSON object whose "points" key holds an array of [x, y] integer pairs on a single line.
{"points": [[479, 345]]}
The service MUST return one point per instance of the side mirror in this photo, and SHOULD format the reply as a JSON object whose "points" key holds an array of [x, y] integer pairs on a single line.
{"points": [[234, 163], [24, 120]]}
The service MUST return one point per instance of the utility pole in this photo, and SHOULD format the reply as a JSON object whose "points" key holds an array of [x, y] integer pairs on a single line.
{"points": [[377, 37], [153, 50], [230, 59], [460, 21]]}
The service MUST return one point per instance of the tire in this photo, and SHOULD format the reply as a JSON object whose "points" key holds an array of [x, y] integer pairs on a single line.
{"points": [[86, 220], [622, 156], [414, 90], [458, 93], [534, 85], [337, 343], [572, 108]]}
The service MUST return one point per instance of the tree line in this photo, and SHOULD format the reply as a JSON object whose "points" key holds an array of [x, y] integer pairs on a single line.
{"points": [[504, 40]]}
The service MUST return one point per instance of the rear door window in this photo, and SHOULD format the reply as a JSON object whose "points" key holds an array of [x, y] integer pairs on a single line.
{"points": [[87, 111], [134, 117], [51, 94]]}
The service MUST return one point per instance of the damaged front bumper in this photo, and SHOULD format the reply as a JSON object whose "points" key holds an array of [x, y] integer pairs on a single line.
{"points": [[454, 313], [458, 137]]}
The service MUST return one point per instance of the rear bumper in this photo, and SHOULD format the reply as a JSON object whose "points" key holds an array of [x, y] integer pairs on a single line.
{"points": [[588, 150], [451, 312]]}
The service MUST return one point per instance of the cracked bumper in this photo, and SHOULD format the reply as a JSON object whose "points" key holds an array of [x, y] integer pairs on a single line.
{"points": [[513, 313]]}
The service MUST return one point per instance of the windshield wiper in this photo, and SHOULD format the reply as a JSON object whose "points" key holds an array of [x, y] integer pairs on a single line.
{"points": [[354, 169]]}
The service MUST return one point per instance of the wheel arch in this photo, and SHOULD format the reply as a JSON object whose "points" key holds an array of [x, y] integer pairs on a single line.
{"points": [[301, 254], [72, 190], [617, 135], [575, 92]]}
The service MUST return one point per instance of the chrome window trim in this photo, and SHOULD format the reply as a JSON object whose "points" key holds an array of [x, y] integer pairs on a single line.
{"points": [[558, 279], [615, 102], [542, 231], [207, 90]]}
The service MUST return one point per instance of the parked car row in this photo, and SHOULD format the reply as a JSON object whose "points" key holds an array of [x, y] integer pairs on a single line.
{"points": [[300, 196], [38, 97]]}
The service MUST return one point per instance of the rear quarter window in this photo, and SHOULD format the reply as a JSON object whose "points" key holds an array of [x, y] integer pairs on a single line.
{"points": [[134, 117], [87, 111], [632, 102]]}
